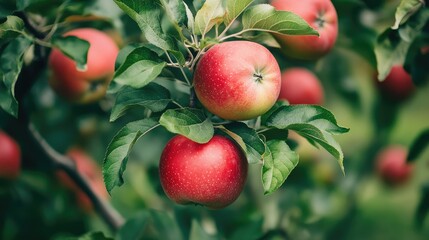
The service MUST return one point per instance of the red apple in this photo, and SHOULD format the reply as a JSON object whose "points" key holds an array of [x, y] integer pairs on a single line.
{"points": [[300, 86], [237, 80], [398, 85], [392, 165], [87, 167], [89, 85], [10, 157], [319, 14], [211, 174]]}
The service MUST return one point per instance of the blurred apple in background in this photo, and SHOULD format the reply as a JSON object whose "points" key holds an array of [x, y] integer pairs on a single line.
{"points": [[90, 84], [398, 85], [319, 14], [87, 167], [392, 165], [300, 86], [10, 157]]}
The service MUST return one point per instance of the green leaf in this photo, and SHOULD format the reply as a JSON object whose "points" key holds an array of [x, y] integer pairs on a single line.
{"points": [[198, 233], [11, 61], [165, 226], [264, 17], [141, 67], [119, 148], [189, 122], [134, 227], [273, 109], [73, 47], [176, 9], [286, 116], [392, 45], [263, 38], [191, 20], [279, 161], [11, 28], [314, 123], [405, 10], [418, 146], [147, 14], [153, 96], [423, 207], [248, 140], [234, 8], [88, 236], [211, 13]]}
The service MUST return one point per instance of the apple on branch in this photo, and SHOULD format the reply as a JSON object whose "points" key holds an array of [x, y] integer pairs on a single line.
{"points": [[319, 14], [237, 80], [300, 86], [392, 165], [212, 174], [398, 85]]}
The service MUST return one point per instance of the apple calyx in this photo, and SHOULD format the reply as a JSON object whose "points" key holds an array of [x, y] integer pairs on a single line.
{"points": [[320, 21], [95, 85], [258, 77]]}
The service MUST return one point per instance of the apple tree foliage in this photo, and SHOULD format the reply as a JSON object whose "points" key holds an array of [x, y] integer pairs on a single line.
{"points": [[154, 76], [190, 32]]}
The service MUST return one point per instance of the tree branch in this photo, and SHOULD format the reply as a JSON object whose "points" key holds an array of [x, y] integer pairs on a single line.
{"points": [[103, 208], [26, 80]]}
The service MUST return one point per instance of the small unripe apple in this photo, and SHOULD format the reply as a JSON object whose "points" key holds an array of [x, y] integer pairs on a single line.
{"points": [[89, 85], [300, 86], [398, 85], [211, 174], [392, 165], [237, 80], [86, 166], [10, 157], [319, 14]]}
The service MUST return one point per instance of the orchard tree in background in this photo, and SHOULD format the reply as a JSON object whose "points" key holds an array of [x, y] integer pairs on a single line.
{"points": [[204, 76]]}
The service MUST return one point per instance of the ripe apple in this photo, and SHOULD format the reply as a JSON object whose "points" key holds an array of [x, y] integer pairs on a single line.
{"points": [[300, 86], [10, 157], [319, 14], [211, 174], [86, 166], [398, 85], [392, 165], [91, 84], [237, 80]]}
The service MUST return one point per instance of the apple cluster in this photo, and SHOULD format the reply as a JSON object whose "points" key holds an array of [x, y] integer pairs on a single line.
{"points": [[241, 80], [236, 81]]}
